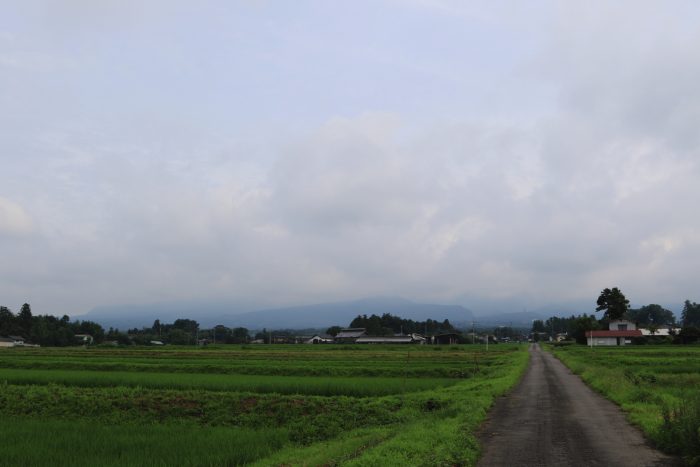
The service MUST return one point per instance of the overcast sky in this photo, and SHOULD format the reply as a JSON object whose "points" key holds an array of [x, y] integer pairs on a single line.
{"points": [[291, 152]]}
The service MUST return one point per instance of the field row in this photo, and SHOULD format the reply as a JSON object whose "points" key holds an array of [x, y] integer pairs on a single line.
{"points": [[315, 385], [410, 362]]}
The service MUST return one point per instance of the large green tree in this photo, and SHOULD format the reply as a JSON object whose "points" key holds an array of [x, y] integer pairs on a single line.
{"points": [[538, 326], [579, 325], [24, 318], [652, 314], [7, 321], [691, 314], [614, 303], [239, 336]]}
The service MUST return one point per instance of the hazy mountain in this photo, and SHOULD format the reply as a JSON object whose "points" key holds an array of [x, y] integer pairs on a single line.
{"points": [[515, 319], [501, 314], [342, 313], [238, 314], [322, 315], [207, 313]]}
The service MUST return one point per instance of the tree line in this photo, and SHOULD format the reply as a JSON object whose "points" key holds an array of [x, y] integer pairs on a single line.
{"points": [[187, 332], [388, 325], [51, 331], [46, 330]]}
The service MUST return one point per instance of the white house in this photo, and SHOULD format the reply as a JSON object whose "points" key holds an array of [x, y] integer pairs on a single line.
{"points": [[620, 332], [12, 341]]}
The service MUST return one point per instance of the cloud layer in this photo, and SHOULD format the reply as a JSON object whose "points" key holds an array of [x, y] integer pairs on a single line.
{"points": [[423, 149]]}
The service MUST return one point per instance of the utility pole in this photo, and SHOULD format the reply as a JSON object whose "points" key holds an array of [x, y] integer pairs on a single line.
{"points": [[551, 320]]}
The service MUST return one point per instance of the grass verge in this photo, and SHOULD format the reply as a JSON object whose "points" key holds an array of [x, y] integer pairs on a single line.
{"points": [[658, 387]]}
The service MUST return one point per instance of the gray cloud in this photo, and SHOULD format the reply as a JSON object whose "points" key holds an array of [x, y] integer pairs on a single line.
{"points": [[185, 190]]}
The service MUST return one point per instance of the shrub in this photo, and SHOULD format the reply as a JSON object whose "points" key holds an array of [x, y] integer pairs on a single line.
{"points": [[563, 343]]}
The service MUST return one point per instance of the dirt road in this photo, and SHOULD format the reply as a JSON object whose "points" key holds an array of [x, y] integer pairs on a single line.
{"points": [[553, 419]]}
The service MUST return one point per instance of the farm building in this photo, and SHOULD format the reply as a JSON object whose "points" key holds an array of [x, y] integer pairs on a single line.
{"points": [[410, 339], [664, 331], [319, 339], [11, 341], [349, 335], [620, 332], [447, 338]]}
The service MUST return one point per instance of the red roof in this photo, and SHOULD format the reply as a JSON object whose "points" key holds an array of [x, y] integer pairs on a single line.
{"points": [[628, 333]]}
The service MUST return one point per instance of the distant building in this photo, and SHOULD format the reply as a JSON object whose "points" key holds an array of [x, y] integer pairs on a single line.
{"points": [[620, 332], [446, 338], [349, 335], [664, 331], [11, 341], [319, 339], [622, 325], [562, 336], [409, 339], [84, 339]]}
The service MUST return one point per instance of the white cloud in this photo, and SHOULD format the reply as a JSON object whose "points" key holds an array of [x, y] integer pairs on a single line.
{"points": [[14, 220]]}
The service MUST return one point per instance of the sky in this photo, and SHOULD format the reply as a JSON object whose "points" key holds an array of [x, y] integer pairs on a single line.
{"points": [[286, 153]]}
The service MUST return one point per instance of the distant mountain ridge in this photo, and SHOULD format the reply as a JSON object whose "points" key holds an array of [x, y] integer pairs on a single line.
{"points": [[517, 319], [342, 313], [320, 315]]}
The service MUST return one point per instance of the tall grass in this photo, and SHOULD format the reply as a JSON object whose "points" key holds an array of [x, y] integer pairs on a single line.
{"points": [[680, 431]]}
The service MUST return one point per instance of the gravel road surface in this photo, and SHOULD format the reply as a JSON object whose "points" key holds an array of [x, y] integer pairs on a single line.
{"points": [[553, 419]]}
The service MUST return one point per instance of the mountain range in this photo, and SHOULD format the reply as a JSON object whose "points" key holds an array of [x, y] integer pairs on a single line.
{"points": [[323, 315], [318, 316]]}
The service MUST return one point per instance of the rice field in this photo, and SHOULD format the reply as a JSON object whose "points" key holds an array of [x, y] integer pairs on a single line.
{"points": [[256, 405]]}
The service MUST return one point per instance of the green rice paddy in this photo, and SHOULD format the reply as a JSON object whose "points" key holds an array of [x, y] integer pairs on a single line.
{"points": [[266, 405]]}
